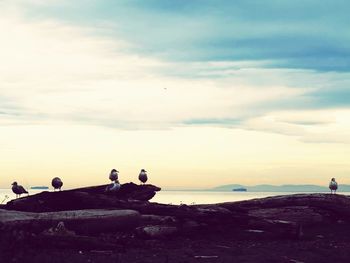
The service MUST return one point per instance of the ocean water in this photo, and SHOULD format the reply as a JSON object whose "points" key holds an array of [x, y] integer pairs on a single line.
{"points": [[209, 197], [183, 197]]}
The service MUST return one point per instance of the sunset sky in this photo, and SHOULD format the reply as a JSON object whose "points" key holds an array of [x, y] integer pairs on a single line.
{"points": [[200, 93]]}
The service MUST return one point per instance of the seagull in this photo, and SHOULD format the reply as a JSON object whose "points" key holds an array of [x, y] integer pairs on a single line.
{"points": [[143, 176], [56, 183], [18, 189], [113, 176], [113, 187], [333, 185]]}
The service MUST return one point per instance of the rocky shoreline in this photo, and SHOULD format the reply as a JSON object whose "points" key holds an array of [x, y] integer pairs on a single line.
{"points": [[90, 225]]}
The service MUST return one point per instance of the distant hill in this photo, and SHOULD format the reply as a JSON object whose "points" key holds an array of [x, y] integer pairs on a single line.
{"points": [[280, 188]]}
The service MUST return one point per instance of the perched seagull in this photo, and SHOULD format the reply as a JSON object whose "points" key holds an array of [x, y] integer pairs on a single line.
{"points": [[143, 176], [113, 187], [18, 189], [333, 185], [113, 176], [56, 183]]}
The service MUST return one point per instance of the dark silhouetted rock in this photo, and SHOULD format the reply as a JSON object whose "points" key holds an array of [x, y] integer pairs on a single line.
{"points": [[83, 198]]}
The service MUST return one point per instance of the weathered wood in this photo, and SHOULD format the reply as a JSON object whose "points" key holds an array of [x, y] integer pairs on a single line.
{"points": [[82, 198], [267, 213], [304, 215], [130, 190], [82, 221], [302, 208], [77, 242], [76, 200], [280, 228], [158, 231], [157, 220]]}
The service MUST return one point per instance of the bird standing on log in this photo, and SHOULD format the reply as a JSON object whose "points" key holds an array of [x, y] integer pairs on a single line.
{"points": [[143, 176], [18, 189], [115, 185], [56, 183], [113, 176], [333, 185]]}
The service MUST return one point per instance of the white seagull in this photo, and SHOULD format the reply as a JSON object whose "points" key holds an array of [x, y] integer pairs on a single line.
{"points": [[113, 175]]}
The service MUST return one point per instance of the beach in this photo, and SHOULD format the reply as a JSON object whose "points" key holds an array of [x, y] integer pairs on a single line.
{"points": [[100, 227]]}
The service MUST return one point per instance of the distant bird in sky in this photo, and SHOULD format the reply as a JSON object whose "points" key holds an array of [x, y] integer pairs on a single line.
{"points": [[143, 176], [333, 185], [113, 176], [56, 183], [18, 189]]}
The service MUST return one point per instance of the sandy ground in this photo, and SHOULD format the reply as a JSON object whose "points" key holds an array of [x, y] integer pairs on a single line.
{"points": [[331, 244]]}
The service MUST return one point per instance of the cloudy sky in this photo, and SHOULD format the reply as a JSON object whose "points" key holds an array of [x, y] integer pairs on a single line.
{"points": [[200, 93]]}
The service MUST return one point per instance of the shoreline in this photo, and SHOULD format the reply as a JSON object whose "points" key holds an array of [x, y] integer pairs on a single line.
{"points": [[100, 227]]}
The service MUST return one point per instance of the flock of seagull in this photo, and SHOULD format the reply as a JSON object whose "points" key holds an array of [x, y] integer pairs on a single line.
{"points": [[57, 183], [115, 185]]}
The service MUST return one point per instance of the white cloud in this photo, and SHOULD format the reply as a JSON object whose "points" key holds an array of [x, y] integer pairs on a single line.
{"points": [[52, 71], [313, 126], [54, 76]]}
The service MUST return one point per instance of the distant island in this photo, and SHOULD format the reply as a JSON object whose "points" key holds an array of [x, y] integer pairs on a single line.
{"points": [[39, 187], [278, 188], [241, 189]]}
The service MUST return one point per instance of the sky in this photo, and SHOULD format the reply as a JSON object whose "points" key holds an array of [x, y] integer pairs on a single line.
{"points": [[199, 93]]}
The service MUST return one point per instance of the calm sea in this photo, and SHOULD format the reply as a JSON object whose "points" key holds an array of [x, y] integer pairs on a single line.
{"points": [[206, 197], [184, 197]]}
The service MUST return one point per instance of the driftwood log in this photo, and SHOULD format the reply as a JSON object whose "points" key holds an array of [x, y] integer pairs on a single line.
{"points": [[82, 198], [305, 209], [81, 221], [131, 196]]}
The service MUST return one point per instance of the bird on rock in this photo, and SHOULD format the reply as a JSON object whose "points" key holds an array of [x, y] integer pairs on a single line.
{"points": [[56, 183], [18, 189], [143, 176], [113, 176], [333, 185], [113, 187]]}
